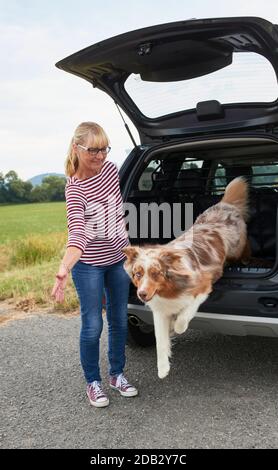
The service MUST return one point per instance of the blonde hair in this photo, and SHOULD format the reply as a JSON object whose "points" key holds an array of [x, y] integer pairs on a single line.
{"points": [[81, 134]]}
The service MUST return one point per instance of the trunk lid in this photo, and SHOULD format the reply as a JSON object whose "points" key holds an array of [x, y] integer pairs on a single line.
{"points": [[179, 53]]}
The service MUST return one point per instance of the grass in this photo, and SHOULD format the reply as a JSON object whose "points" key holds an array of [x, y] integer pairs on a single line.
{"points": [[32, 287], [32, 243], [37, 249], [19, 220]]}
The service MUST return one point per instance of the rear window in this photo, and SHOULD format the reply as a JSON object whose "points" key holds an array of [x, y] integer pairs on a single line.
{"points": [[145, 182], [162, 174], [250, 78], [265, 175], [259, 175], [170, 175]]}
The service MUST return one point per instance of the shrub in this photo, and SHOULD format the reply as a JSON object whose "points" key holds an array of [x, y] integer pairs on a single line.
{"points": [[37, 248]]}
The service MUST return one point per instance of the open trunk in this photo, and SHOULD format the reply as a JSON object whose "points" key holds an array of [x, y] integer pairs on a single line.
{"points": [[202, 95], [197, 173]]}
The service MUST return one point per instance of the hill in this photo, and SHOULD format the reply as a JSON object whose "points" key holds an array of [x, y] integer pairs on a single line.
{"points": [[36, 180]]}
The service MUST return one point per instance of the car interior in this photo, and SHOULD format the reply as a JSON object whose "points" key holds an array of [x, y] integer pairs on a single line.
{"points": [[199, 177]]}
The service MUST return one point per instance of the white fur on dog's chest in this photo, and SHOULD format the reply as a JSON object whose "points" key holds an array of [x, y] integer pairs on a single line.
{"points": [[175, 306]]}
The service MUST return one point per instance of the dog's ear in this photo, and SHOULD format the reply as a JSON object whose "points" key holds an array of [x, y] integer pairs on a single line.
{"points": [[169, 257], [131, 253], [180, 278], [174, 269]]}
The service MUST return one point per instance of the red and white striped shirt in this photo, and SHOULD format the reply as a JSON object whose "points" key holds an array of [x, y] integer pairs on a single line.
{"points": [[95, 216]]}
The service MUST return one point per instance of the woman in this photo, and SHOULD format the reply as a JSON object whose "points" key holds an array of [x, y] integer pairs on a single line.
{"points": [[97, 234]]}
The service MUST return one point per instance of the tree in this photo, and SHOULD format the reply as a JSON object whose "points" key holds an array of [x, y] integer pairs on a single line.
{"points": [[13, 189], [3, 189], [11, 176], [19, 191], [39, 193], [56, 187]]}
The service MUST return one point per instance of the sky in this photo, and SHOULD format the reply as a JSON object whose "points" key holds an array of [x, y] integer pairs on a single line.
{"points": [[42, 105]]}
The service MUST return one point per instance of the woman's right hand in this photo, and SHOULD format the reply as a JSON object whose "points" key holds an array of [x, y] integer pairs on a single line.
{"points": [[58, 291]]}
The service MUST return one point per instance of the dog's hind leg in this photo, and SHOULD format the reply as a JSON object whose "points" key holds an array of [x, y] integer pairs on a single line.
{"points": [[247, 253], [163, 343]]}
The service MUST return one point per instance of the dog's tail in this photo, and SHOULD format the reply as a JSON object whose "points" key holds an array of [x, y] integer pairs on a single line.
{"points": [[236, 193]]}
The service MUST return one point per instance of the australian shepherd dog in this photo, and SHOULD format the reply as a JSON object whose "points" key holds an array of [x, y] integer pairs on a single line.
{"points": [[176, 278]]}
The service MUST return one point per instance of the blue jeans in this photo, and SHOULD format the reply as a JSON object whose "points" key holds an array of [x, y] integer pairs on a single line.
{"points": [[90, 283]]}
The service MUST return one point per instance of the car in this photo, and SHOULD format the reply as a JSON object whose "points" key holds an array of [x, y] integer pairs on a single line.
{"points": [[202, 94]]}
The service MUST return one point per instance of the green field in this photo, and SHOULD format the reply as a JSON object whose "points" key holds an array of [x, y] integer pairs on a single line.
{"points": [[20, 220], [32, 243]]}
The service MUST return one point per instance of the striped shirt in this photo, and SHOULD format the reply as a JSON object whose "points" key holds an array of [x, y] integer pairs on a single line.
{"points": [[95, 217]]}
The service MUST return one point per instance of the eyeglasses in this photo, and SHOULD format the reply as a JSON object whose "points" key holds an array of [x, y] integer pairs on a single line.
{"points": [[93, 151]]}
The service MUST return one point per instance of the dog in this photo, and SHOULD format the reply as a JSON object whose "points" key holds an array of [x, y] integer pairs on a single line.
{"points": [[176, 278]]}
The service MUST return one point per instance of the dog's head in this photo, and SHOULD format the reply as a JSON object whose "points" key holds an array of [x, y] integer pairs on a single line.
{"points": [[159, 271]]}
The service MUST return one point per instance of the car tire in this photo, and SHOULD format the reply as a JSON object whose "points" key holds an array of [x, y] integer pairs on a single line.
{"points": [[140, 335]]}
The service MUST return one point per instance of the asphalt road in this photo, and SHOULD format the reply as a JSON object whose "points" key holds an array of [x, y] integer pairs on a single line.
{"points": [[221, 392]]}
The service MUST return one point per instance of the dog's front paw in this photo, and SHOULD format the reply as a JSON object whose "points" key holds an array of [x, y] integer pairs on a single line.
{"points": [[180, 326], [163, 369]]}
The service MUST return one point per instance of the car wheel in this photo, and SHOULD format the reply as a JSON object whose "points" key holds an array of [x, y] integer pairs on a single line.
{"points": [[140, 334]]}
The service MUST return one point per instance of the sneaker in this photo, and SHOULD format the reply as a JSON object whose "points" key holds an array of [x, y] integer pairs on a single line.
{"points": [[120, 383], [96, 395]]}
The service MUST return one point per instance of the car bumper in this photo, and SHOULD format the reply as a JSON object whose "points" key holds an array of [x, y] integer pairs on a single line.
{"points": [[239, 325]]}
